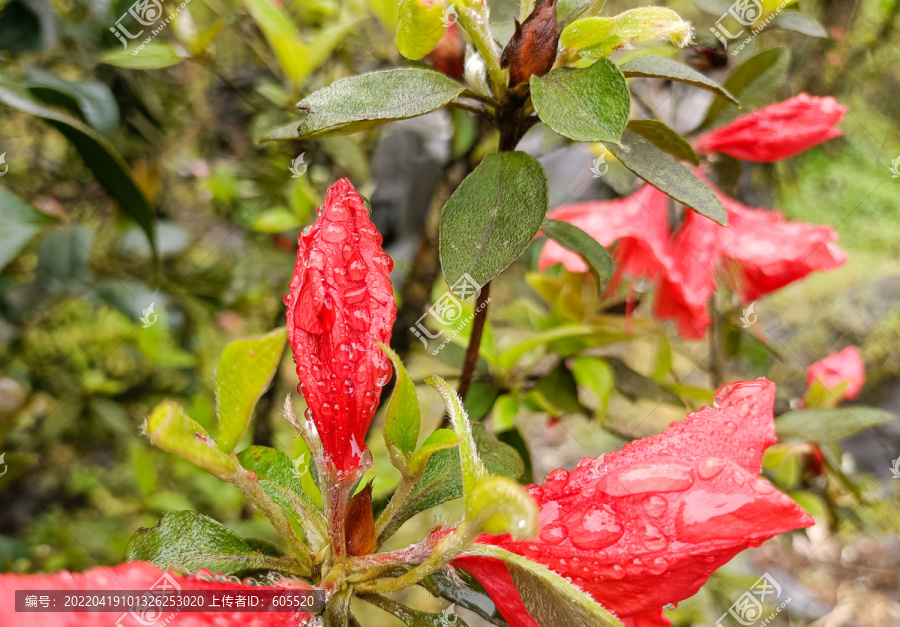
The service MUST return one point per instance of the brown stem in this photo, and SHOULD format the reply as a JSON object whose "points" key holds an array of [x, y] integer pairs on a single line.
{"points": [[465, 379], [715, 363]]}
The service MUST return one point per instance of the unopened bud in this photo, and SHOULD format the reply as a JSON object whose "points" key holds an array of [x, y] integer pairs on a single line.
{"points": [[500, 505], [532, 49]]}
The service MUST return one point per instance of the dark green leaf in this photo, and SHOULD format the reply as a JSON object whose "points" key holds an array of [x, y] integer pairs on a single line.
{"points": [[277, 477], [557, 389], [19, 223], [595, 256], [584, 104], [193, 541], [480, 399], [98, 154], [246, 369], [64, 257], [653, 66], [829, 425], [665, 139], [636, 385], [361, 102], [465, 591], [493, 216], [798, 22], [755, 83], [513, 437], [442, 480], [662, 171], [90, 99]]}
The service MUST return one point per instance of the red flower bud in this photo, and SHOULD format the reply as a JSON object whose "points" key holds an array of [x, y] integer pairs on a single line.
{"points": [[778, 131], [340, 304], [845, 367], [532, 49]]}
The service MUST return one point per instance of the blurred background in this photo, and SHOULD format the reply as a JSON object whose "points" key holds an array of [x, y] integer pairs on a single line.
{"points": [[142, 228]]}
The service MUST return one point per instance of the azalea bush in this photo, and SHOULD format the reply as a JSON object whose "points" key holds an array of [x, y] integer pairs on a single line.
{"points": [[624, 287]]}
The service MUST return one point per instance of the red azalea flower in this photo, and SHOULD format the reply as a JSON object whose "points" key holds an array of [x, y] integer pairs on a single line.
{"points": [[778, 131], [639, 223], [449, 56], [340, 304], [844, 367], [771, 251], [648, 525], [134, 576]]}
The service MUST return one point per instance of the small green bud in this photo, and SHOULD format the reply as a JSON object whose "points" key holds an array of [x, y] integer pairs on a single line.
{"points": [[171, 430], [500, 505]]}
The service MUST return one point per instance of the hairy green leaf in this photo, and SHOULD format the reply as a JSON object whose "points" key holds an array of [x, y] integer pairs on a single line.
{"points": [[584, 104], [662, 171], [665, 139], [653, 66], [492, 217]]}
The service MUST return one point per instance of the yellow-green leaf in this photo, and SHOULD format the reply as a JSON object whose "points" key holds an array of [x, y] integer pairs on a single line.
{"points": [[171, 430], [421, 27]]}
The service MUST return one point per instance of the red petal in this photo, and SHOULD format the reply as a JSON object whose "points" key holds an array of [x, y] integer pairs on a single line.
{"points": [[502, 589], [131, 576], [778, 131], [340, 304], [647, 526], [772, 252], [639, 223], [837, 368], [651, 619]]}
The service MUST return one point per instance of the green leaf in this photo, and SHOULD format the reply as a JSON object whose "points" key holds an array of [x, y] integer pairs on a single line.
{"points": [[798, 22], [280, 481], [169, 428], [411, 617], [203, 39], [558, 392], [421, 27], [439, 440], [636, 385], [276, 220], [596, 376], [595, 256], [402, 417], [829, 425], [492, 217], [442, 480], [193, 541], [19, 223], [653, 66], [246, 369], [663, 172], [464, 590], [90, 99], [755, 82], [505, 409], [153, 56], [361, 102], [584, 104], [98, 154], [550, 599], [665, 139]]}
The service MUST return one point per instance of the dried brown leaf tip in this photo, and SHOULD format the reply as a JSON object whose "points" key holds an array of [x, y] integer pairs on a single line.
{"points": [[532, 49], [359, 523]]}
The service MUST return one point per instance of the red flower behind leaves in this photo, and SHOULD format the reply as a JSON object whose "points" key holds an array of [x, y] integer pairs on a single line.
{"points": [[843, 367], [778, 131], [340, 304], [132, 576], [647, 526]]}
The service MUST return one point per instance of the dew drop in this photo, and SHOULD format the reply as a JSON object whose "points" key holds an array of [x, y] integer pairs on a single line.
{"points": [[617, 572], [655, 505], [647, 477], [593, 526], [658, 566], [762, 486], [709, 467]]}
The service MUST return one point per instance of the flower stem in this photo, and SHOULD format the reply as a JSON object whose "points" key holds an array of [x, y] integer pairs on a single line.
{"points": [[471, 360]]}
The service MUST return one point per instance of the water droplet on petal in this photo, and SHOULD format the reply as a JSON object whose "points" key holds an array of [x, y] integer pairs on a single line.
{"points": [[647, 477], [655, 505], [762, 486], [554, 534], [709, 467], [593, 526]]}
